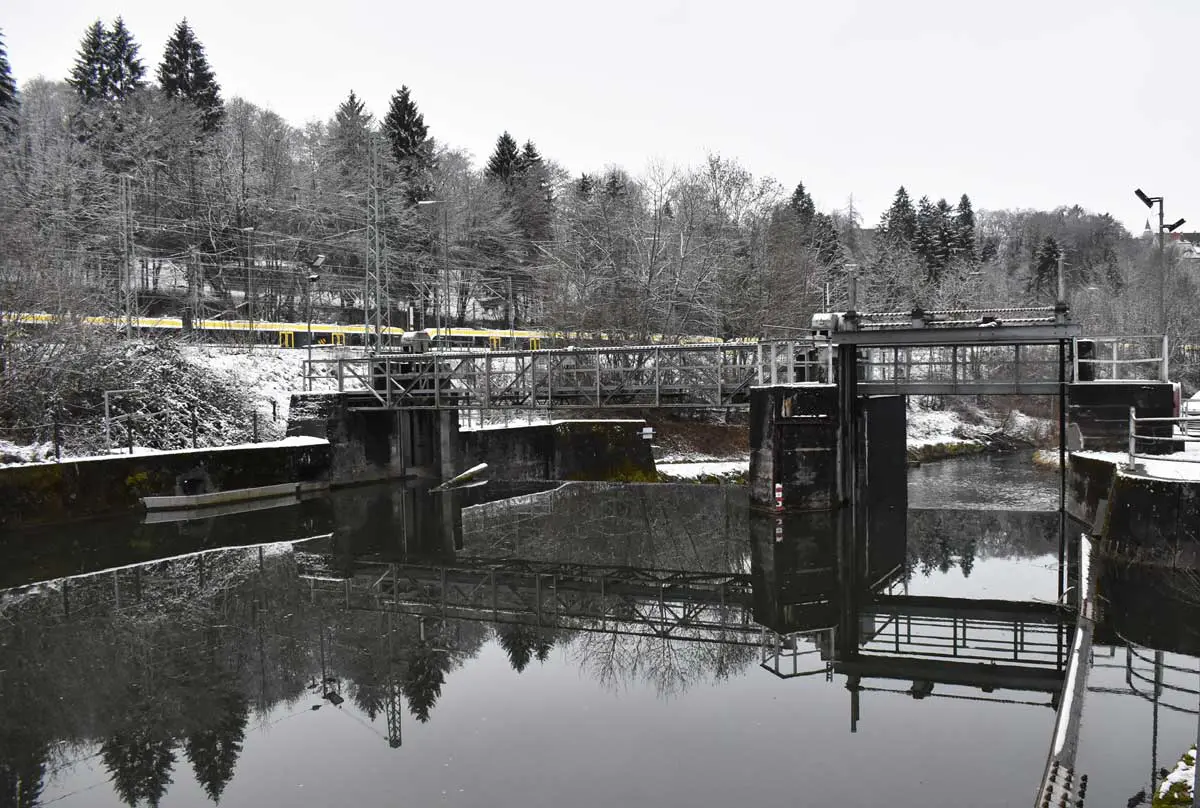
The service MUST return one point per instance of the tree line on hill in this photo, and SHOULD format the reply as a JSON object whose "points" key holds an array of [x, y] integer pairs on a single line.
{"points": [[122, 177]]}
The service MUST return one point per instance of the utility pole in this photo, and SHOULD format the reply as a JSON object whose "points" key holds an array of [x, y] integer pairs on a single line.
{"points": [[127, 276], [373, 297], [446, 261]]}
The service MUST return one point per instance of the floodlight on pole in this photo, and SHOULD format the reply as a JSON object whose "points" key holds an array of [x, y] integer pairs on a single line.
{"points": [[1171, 228], [1149, 201]]}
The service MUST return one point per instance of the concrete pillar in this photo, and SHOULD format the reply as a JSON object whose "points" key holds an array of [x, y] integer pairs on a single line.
{"points": [[793, 442], [449, 443]]}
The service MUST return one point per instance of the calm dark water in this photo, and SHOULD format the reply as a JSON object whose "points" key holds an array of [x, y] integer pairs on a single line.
{"points": [[586, 646]]}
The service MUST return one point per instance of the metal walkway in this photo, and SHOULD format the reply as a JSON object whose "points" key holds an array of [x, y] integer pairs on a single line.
{"points": [[986, 355]]}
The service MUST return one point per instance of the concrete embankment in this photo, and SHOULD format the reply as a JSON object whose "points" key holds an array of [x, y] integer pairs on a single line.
{"points": [[1133, 510], [573, 450], [38, 493]]}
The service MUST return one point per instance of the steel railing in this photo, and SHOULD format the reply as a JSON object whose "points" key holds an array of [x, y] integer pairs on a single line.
{"points": [[1183, 429], [1128, 358]]}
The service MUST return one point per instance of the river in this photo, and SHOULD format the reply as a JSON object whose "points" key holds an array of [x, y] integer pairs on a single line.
{"points": [[584, 645]]}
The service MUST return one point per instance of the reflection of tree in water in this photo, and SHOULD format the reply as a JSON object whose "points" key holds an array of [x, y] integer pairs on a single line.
{"points": [[181, 652], [670, 665], [213, 750], [422, 681], [944, 540], [22, 767], [139, 755]]}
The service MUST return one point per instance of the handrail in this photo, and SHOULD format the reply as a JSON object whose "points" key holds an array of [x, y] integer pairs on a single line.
{"points": [[1114, 362], [1182, 424]]}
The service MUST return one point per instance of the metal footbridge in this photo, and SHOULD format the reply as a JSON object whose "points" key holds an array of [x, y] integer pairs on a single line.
{"points": [[974, 352]]}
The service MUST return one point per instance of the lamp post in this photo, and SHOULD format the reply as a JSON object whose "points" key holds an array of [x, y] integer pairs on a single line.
{"points": [[313, 277], [1163, 229], [442, 323]]}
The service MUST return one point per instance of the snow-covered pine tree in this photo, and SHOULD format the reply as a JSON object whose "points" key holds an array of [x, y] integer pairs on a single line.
{"points": [[505, 160], [89, 75], [8, 93], [802, 204], [124, 70], [964, 228], [350, 137], [899, 225], [408, 138], [184, 73], [925, 235], [530, 157], [946, 240]]}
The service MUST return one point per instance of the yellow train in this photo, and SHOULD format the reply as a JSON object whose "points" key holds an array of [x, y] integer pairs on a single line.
{"points": [[299, 335]]}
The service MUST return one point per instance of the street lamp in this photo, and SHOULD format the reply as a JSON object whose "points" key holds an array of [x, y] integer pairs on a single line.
{"points": [[1163, 229], [313, 277], [445, 264]]}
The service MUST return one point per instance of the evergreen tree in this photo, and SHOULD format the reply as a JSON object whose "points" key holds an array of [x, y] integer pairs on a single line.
{"points": [[802, 205], [350, 139], [89, 76], [505, 160], [123, 67], [823, 236], [584, 187], [185, 74], [925, 236], [614, 184], [946, 235], [530, 158], [899, 225], [1045, 265], [408, 137], [964, 228], [8, 93]]}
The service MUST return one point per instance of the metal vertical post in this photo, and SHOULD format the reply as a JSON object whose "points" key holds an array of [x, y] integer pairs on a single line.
{"points": [[657, 378], [1132, 434], [1062, 468]]}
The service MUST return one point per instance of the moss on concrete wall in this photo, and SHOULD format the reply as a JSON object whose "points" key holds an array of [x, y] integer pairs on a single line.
{"points": [[55, 492], [612, 451]]}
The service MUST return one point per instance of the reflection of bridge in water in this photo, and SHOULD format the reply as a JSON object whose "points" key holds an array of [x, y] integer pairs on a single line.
{"points": [[814, 602]]}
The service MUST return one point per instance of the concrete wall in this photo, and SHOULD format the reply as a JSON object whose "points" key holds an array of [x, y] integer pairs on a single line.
{"points": [[612, 450], [370, 445], [1162, 515], [39, 493], [793, 441], [1101, 411], [1089, 480]]}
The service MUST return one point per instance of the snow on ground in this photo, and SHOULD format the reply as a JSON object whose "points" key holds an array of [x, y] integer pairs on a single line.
{"points": [[295, 440], [930, 427], [693, 471], [15, 453], [1184, 466], [1179, 782], [271, 374]]}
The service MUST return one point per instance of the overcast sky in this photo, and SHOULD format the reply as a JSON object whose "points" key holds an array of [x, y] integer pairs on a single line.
{"points": [[1019, 103]]}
